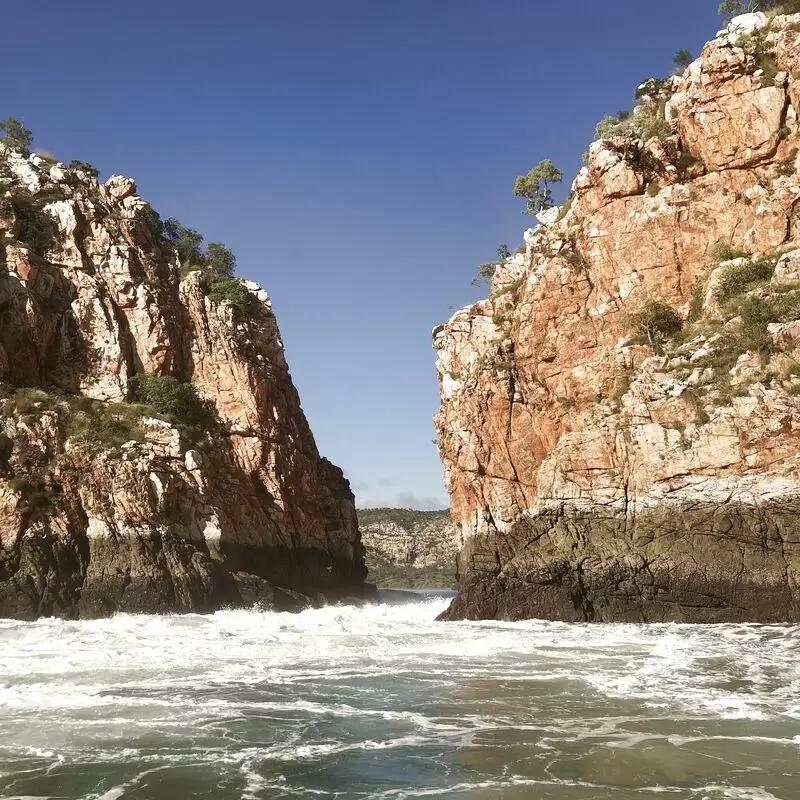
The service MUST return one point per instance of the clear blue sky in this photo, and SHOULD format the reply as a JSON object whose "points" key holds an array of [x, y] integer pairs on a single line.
{"points": [[358, 156]]}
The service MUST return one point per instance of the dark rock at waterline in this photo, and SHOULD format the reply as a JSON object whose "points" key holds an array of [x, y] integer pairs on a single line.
{"points": [[702, 564]]}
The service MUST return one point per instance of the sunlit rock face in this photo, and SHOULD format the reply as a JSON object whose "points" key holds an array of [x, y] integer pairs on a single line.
{"points": [[593, 474], [175, 519]]}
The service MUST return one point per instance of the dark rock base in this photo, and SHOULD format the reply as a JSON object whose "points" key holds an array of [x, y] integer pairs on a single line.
{"points": [[708, 563], [76, 578]]}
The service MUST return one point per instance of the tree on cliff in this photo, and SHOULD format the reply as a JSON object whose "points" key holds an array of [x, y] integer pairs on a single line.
{"points": [[215, 258], [220, 260], [535, 186], [15, 134], [486, 271], [732, 8], [186, 242], [682, 58]]}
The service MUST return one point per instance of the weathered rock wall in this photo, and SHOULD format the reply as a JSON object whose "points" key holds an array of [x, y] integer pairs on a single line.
{"points": [[592, 478], [407, 547], [175, 519]]}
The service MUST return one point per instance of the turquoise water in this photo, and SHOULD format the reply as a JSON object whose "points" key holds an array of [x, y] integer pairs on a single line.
{"points": [[384, 702]]}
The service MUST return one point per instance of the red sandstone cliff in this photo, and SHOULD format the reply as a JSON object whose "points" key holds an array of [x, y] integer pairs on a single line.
{"points": [[596, 479], [104, 506]]}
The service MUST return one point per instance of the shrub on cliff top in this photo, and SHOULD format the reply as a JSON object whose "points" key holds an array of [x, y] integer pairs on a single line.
{"points": [[166, 395], [731, 8], [228, 289], [214, 258], [16, 135]]}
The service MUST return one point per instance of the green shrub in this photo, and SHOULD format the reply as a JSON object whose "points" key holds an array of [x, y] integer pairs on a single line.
{"points": [[755, 45], [107, 430], [84, 166], [697, 298], [230, 290], [723, 251], [169, 397], [16, 135], [220, 260], [740, 278], [614, 127], [32, 226], [657, 323]]}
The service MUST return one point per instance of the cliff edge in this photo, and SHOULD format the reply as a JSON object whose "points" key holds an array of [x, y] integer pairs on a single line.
{"points": [[154, 456], [620, 419]]}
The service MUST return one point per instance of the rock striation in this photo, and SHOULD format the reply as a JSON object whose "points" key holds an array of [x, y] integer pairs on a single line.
{"points": [[603, 462], [109, 506]]}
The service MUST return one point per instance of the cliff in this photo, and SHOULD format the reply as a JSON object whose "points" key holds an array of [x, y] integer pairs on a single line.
{"points": [[154, 455], [620, 419], [405, 548]]}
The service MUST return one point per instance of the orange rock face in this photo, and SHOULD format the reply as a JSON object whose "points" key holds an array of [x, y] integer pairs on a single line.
{"points": [[592, 478], [174, 519]]}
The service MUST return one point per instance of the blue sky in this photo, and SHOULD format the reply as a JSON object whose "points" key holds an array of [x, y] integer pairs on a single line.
{"points": [[358, 157]]}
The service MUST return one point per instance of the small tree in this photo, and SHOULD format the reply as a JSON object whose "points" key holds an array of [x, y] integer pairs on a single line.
{"points": [[732, 8], [186, 241], [15, 134], [682, 58], [656, 323], [220, 260], [535, 186], [486, 271]]}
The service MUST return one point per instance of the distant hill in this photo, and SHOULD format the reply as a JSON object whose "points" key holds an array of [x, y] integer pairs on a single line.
{"points": [[406, 548]]}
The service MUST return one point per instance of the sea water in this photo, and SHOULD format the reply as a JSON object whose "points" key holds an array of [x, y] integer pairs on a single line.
{"points": [[385, 702]]}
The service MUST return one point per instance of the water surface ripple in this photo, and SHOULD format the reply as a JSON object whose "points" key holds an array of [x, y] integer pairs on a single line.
{"points": [[385, 703]]}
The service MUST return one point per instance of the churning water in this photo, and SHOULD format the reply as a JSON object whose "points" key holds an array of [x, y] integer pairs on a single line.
{"points": [[384, 702]]}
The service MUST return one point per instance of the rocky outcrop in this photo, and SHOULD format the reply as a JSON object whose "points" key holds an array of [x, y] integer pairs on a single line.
{"points": [[601, 475], [111, 506], [409, 548]]}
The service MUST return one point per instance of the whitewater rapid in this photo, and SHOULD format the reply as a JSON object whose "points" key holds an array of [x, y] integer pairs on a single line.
{"points": [[385, 702]]}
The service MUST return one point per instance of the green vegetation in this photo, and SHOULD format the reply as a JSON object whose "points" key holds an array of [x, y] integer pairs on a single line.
{"points": [[486, 271], [100, 426], [168, 397], [657, 323], [215, 259], [645, 122], [387, 576], [723, 251], [32, 226], [84, 166], [16, 135], [231, 290], [697, 298], [535, 186], [740, 278], [408, 518], [731, 8], [682, 58]]}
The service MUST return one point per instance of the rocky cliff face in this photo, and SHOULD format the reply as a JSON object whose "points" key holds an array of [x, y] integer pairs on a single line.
{"points": [[110, 506], [609, 457], [408, 548]]}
